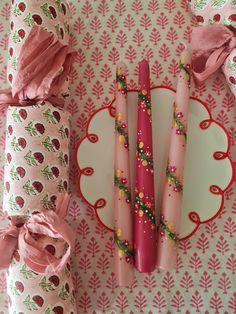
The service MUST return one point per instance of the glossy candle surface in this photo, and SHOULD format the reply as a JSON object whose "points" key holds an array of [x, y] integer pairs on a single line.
{"points": [[170, 212], [144, 217], [122, 196]]}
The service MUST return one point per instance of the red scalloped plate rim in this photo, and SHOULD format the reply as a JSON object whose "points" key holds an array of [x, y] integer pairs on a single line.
{"points": [[226, 156]]}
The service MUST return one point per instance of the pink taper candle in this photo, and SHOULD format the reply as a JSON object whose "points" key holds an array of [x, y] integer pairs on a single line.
{"points": [[170, 213], [144, 218], [122, 196]]}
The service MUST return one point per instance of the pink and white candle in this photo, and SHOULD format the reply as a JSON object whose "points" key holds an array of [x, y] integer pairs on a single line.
{"points": [[122, 195], [144, 217], [170, 212]]}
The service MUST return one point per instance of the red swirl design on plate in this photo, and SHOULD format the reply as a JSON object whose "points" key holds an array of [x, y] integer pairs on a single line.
{"points": [[194, 217], [220, 155], [100, 203], [214, 189], [205, 124], [112, 110], [88, 171], [93, 138]]}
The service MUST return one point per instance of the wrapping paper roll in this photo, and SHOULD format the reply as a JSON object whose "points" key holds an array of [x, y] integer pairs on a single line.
{"points": [[172, 198], [122, 194], [38, 242], [144, 218]]}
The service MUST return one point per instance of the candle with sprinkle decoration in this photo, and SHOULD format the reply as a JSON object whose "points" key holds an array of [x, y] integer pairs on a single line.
{"points": [[170, 212], [144, 217], [122, 196]]}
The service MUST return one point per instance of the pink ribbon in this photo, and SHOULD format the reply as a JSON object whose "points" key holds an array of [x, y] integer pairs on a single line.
{"points": [[210, 45], [6, 100], [43, 66], [46, 223]]}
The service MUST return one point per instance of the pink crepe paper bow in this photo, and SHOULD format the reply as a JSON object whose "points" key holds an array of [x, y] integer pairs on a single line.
{"points": [[46, 223], [210, 45], [43, 66]]}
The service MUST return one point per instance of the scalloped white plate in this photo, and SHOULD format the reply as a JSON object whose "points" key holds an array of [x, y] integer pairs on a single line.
{"points": [[207, 175]]}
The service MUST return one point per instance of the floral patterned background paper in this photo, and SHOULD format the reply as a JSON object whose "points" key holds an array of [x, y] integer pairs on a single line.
{"points": [[105, 31]]}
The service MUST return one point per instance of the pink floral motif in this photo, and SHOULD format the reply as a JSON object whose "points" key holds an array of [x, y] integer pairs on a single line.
{"points": [[172, 169]]}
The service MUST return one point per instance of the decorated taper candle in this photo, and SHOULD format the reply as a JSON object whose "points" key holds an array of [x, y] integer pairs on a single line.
{"points": [[144, 217], [122, 196], [170, 212]]}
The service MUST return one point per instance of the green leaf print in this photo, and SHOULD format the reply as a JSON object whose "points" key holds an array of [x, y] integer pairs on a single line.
{"points": [[62, 132], [46, 10], [58, 32], [46, 286], [12, 203], [15, 145], [30, 304], [13, 289], [13, 173], [200, 4], [31, 130], [60, 187], [47, 173], [15, 115], [49, 116], [16, 11], [28, 20], [226, 22], [58, 3], [29, 189], [16, 38], [232, 65], [63, 293], [46, 202], [72, 297], [233, 3], [30, 159], [61, 159], [217, 4], [48, 145], [14, 63], [27, 273], [48, 311], [67, 26]]}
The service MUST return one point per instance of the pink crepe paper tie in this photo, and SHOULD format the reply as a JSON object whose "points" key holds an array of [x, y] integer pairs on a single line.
{"points": [[44, 65], [210, 45], [46, 223]]}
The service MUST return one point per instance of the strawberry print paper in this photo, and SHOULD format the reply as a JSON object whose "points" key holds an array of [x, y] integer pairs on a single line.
{"points": [[37, 158], [29, 292], [215, 13], [38, 241]]}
